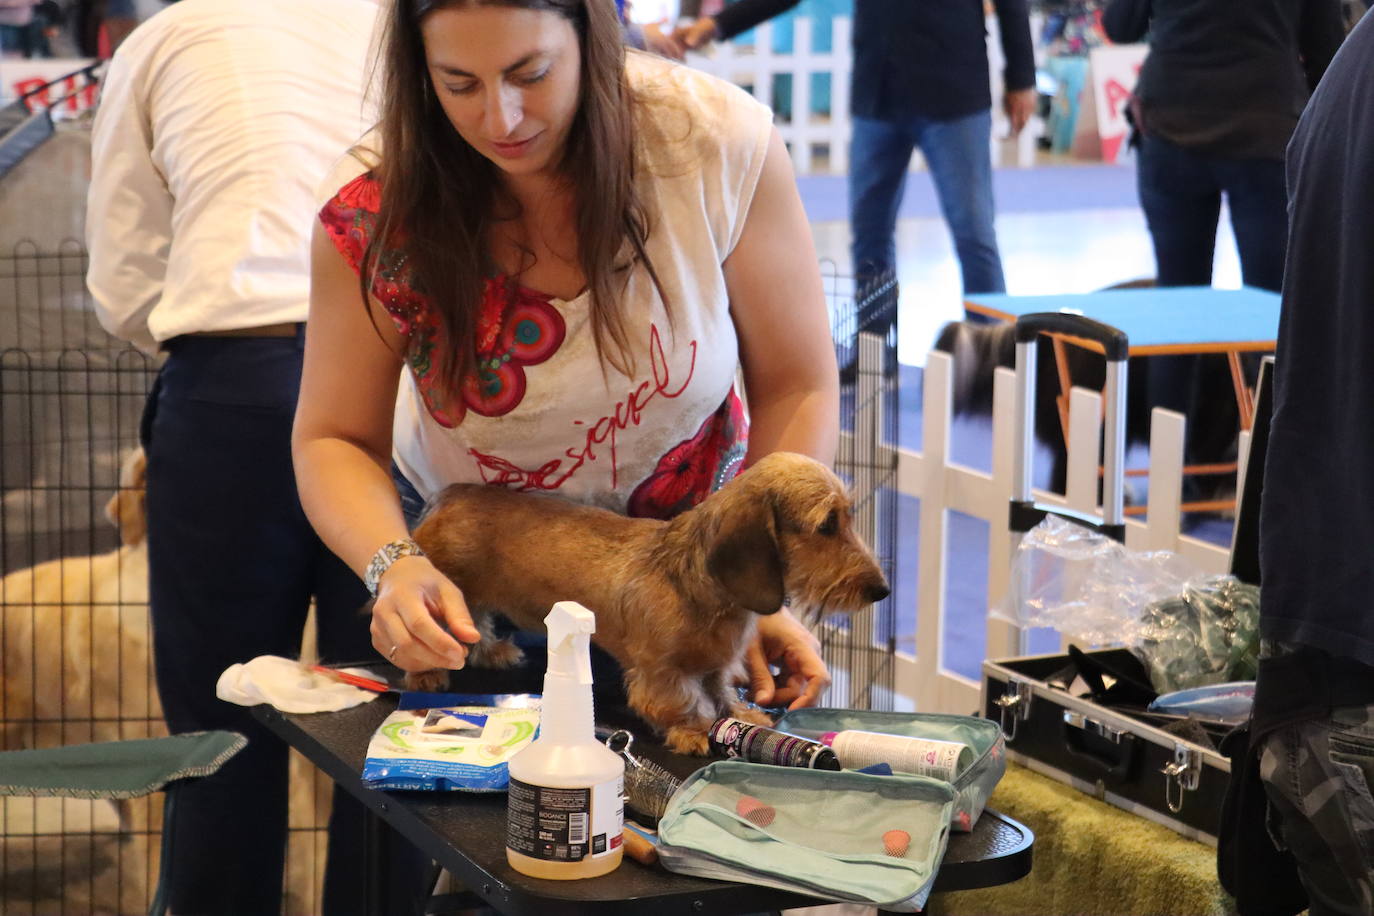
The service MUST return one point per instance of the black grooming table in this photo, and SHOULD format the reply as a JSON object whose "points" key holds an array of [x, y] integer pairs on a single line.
{"points": [[465, 833]]}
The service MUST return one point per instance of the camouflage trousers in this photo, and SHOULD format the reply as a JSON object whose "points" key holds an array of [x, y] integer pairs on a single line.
{"points": [[1318, 775]]}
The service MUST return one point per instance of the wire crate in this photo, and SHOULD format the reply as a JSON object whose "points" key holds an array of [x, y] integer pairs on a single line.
{"points": [[860, 650]]}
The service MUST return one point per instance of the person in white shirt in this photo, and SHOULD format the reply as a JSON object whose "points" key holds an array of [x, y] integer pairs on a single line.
{"points": [[218, 119]]}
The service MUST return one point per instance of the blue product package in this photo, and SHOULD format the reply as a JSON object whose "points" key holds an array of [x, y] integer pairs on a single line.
{"points": [[458, 747], [1230, 702]]}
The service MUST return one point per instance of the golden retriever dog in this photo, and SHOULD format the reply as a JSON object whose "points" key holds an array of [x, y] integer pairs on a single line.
{"points": [[676, 602], [77, 667], [76, 636]]}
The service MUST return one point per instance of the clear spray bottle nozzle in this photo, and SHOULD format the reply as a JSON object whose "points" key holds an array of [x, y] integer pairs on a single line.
{"points": [[570, 627]]}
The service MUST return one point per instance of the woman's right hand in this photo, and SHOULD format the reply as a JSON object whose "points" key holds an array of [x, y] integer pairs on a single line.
{"points": [[415, 602], [697, 34]]}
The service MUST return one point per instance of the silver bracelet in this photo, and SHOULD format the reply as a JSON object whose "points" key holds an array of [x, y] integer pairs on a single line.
{"points": [[386, 555]]}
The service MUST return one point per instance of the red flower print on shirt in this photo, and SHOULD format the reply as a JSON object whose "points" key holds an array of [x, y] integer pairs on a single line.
{"points": [[516, 327], [697, 467], [362, 193]]}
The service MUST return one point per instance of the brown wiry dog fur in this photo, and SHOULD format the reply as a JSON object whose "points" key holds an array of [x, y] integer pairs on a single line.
{"points": [[676, 601]]}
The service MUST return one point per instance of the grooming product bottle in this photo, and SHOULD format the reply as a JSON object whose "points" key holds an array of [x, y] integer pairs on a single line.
{"points": [[760, 744], [565, 812], [917, 756]]}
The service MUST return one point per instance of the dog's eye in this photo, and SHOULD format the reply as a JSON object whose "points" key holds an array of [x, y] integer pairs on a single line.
{"points": [[831, 525]]}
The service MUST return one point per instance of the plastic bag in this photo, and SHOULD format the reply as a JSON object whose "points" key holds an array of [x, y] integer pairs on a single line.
{"points": [[1229, 703], [1189, 629], [1207, 634], [1086, 585]]}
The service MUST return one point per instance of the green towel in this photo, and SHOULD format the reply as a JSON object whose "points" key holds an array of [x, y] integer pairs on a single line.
{"points": [[1092, 858], [115, 769]]}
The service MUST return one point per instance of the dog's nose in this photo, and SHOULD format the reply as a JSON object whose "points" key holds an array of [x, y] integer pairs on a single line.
{"points": [[876, 593]]}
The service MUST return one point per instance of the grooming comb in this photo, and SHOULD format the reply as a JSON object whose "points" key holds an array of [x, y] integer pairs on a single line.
{"points": [[344, 677], [648, 786]]}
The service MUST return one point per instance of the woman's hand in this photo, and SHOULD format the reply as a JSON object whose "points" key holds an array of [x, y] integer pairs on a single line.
{"points": [[697, 34], [662, 43], [802, 676], [413, 599]]}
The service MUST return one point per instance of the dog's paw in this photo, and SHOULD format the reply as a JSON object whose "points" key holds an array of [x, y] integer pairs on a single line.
{"points": [[747, 712], [501, 653], [687, 739], [433, 681]]}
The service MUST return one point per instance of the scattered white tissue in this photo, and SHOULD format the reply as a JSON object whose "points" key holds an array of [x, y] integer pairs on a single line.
{"points": [[283, 683]]}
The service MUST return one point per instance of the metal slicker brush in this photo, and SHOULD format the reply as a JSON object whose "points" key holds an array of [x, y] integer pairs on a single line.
{"points": [[648, 786]]}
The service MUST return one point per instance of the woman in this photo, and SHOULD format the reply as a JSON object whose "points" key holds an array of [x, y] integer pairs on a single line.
{"points": [[603, 240], [1217, 101]]}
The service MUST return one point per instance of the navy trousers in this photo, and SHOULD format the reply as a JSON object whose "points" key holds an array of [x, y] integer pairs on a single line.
{"points": [[1181, 191], [234, 564]]}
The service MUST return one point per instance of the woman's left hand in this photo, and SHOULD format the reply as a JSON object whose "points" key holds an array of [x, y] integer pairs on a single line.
{"points": [[781, 640]]}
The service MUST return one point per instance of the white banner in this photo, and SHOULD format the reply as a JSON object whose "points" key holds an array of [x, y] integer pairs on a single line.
{"points": [[1112, 74], [19, 76]]}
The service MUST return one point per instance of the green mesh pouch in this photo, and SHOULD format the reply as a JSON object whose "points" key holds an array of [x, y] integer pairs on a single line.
{"points": [[838, 835], [972, 786]]}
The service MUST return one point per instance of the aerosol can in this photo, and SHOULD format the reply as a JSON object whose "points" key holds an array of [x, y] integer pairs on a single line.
{"points": [[566, 808]]}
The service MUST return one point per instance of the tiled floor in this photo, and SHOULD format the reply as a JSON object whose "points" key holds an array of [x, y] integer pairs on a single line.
{"points": [[1061, 229]]}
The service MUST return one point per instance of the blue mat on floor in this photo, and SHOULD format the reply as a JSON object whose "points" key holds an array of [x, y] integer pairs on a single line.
{"points": [[1044, 189]]}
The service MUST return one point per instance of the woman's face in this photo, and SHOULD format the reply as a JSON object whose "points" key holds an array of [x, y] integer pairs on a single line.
{"points": [[509, 80]]}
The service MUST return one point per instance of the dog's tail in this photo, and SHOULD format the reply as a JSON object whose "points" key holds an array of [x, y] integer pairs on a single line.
{"points": [[978, 350]]}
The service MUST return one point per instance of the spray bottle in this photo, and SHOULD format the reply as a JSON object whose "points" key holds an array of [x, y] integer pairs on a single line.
{"points": [[566, 806]]}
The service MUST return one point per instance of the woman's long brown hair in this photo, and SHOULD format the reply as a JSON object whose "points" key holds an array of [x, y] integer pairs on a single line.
{"points": [[439, 194]]}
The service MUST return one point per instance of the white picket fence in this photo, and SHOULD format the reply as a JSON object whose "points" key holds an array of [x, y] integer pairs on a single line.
{"points": [[923, 680], [819, 141]]}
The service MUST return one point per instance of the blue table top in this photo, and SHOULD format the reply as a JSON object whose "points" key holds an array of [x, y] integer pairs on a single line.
{"points": [[1172, 319]]}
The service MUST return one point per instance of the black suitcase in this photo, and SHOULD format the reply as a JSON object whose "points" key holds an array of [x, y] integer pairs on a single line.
{"points": [[1105, 752], [1126, 756]]}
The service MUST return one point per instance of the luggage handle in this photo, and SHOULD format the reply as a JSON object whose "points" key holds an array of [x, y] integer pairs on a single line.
{"points": [[1025, 513], [1074, 323], [1077, 726]]}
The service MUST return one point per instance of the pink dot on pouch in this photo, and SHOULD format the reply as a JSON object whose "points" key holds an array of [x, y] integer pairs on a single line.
{"points": [[895, 843], [755, 811]]}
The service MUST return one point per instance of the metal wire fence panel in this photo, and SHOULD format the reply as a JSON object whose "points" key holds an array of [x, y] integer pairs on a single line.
{"points": [[75, 638], [860, 649], [74, 624]]}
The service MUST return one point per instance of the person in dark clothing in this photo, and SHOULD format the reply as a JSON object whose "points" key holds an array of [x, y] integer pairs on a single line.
{"points": [[920, 80], [1313, 719], [1217, 100]]}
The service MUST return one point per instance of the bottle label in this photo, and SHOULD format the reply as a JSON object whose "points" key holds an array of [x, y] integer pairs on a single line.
{"points": [[758, 744], [918, 756], [565, 825]]}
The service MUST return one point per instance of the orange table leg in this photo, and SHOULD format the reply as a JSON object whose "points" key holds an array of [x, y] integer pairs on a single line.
{"points": [[1245, 399]]}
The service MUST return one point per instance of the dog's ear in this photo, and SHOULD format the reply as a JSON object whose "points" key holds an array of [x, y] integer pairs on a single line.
{"points": [[127, 509], [745, 558]]}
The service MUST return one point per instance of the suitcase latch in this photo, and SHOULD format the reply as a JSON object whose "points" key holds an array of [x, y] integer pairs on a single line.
{"points": [[1183, 772], [1015, 705]]}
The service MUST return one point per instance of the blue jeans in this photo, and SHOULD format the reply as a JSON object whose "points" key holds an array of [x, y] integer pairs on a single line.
{"points": [[412, 503], [957, 151], [233, 565]]}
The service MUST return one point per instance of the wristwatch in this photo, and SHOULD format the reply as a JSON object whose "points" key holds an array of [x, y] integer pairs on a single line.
{"points": [[386, 555]]}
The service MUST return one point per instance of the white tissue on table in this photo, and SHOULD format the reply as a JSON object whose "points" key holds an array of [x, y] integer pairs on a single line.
{"points": [[288, 686]]}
